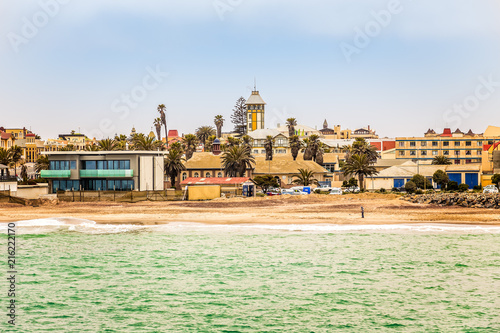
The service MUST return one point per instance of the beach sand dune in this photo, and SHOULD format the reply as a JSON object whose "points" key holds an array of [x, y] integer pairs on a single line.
{"points": [[314, 208]]}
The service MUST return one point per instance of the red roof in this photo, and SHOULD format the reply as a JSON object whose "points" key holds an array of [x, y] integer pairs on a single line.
{"points": [[215, 181], [446, 132], [30, 134], [6, 136], [173, 133]]}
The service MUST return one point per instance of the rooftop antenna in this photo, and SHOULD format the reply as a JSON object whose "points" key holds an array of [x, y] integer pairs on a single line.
{"points": [[254, 83]]}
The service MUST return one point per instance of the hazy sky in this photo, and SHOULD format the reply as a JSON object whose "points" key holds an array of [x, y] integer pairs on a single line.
{"points": [[103, 66]]}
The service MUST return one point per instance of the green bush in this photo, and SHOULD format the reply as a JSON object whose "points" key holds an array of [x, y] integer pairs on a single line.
{"points": [[463, 188], [419, 191], [477, 187], [452, 186], [410, 187], [382, 190]]}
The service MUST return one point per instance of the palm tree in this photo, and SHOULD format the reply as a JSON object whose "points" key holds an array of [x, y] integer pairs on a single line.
{"points": [[108, 144], [219, 122], [161, 110], [142, 142], [320, 150], [360, 166], [295, 145], [92, 148], [173, 163], [24, 172], [16, 156], [441, 160], [361, 147], [246, 140], [6, 158], [305, 178], [268, 146], [42, 163], [203, 132], [236, 160], [291, 123], [232, 141], [312, 144], [190, 141], [210, 142], [158, 123]]}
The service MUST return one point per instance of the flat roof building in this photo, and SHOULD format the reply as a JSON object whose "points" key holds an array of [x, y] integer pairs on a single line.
{"points": [[105, 170]]}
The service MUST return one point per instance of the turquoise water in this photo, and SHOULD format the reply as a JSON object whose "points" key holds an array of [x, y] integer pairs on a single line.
{"points": [[246, 279]]}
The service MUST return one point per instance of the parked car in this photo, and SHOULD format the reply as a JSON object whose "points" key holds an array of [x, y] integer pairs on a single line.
{"points": [[323, 188], [274, 191], [336, 191], [490, 189], [354, 189], [305, 189], [293, 192]]}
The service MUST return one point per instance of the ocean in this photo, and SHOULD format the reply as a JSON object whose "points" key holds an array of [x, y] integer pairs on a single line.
{"points": [[76, 276]]}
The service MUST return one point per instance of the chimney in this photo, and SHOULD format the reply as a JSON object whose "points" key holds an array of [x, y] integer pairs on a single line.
{"points": [[216, 147], [368, 127]]}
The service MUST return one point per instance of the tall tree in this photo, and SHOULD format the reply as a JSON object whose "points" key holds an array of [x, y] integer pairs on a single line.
{"points": [[305, 178], [236, 160], [441, 178], [190, 142], [246, 140], [320, 150], [174, 163], [17, 156], [360, 166], [441, 160], [265, 182], [24, 172], [291, 123], [219, 122], [295, 145], [203, 133], [268, 146], [158, 123], [161, 110], [239, 116]]}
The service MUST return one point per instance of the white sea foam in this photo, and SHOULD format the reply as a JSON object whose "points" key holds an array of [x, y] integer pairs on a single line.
{"points": [[41, 226], [332, 228]]}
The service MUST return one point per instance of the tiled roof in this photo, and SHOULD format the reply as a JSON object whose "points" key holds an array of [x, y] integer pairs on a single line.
{"points": [[5, 136], [285, 165], [255, 99], [215, 181]]}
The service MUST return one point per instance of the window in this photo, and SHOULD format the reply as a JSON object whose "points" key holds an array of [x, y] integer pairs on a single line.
{"points": [[401, 144], [423, 143], [424, 152], [468, 161], [468, 143], [413, 144], [457, 143], [72, 165], [434, 153], [207, 175], [468, 152], [446, 143], [184, 175], [446, 152], [457, 152], [479, 143], [479, 151], [434, 143], [401, 153], [255, 151], [196, 175], [413, 152], [457, 161], [219, 175]]}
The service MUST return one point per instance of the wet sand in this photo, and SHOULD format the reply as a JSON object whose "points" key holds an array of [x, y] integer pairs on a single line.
{"points": [[346, 209]]}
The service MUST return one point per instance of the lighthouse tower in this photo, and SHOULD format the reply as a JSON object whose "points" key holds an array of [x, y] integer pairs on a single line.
{"points": [[255, 111]]}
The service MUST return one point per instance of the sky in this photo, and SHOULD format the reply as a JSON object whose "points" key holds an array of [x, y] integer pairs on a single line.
{"points": [[102, 67]]}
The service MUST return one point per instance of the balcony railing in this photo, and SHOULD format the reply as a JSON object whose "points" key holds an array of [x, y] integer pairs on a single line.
{"points": [[55, 173], [8, 179], [107, 173]]}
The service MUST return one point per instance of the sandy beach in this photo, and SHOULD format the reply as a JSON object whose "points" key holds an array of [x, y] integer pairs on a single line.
{"points": [[346, 209]]}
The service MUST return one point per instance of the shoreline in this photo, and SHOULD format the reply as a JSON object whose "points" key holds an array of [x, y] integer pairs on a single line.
{"points": [[380, 209]]}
